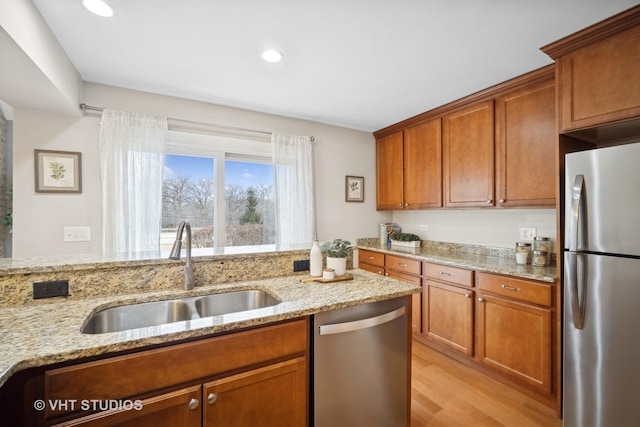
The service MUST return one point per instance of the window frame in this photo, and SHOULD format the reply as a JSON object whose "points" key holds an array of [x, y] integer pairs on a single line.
{"points": [[220, 149]]}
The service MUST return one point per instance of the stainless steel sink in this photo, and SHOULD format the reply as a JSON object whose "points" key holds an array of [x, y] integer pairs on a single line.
{"points": [[233, 302], [133, 316]]}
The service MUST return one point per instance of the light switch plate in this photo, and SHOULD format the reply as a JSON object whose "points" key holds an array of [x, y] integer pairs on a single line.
{"points": [[527, 233]]}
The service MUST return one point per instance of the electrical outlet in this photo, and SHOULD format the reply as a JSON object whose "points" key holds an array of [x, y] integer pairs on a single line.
{"points": [[51, 288], [77, 234], [301, 265], [527, 233], [424, 227]]}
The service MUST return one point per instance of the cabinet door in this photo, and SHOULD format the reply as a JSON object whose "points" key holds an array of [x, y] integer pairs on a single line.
{"points": [[600, 82], [180, 408], [468, 156], [272, 396], [525, 140], [389, 175], [448, 315], [423, 165], [515, 339], [416, 299]]}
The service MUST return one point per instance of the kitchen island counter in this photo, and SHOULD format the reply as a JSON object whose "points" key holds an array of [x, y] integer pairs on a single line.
{"points": [[47, 332]]}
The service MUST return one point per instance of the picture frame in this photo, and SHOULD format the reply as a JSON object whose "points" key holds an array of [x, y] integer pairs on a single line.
{"points": [[354, 188], [58, 171]]}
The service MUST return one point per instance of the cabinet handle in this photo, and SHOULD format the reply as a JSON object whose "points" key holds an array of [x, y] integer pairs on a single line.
{"points": [[510, 288], [370, 257], [211, 399], [442, 273], [480, 300], [502, 200], [402, 265], [193, 404]]}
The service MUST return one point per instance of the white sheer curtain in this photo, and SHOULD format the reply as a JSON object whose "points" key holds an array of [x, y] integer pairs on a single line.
{"points": [[132, 162], [293, 182]]}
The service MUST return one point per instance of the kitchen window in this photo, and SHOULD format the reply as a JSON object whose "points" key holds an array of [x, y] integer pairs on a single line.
{"points": [[224, 187]]}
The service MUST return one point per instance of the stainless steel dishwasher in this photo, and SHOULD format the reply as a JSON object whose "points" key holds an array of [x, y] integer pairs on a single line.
{"points": [[360, 366]]}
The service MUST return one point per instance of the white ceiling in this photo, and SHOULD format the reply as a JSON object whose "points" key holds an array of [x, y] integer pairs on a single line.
{"points": [[362, 64]]}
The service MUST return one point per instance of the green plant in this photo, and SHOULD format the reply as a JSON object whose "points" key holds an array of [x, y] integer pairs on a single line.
{"points": [[338, 248], [405, 237]]}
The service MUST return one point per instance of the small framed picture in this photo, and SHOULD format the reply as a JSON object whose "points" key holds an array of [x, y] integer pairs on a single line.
{"points": [[354, 191], [58, 171]]}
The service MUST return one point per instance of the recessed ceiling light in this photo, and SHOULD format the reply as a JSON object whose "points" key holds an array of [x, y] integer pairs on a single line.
{"points": [[272, 55], [98, 7]]}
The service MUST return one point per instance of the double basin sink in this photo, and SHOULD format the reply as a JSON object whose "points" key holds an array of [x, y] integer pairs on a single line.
{"points": [[133, 316]]}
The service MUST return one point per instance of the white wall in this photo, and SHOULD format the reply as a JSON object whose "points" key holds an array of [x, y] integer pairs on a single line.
{"points": [[39, 219], [488, 227]]}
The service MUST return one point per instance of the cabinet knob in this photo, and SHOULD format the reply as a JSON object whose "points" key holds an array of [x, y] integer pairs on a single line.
{"points": [[193, 404], [386, 274], [501, 200], [467, 296], [379, 271], [406, 204], [400, 205], [211, 399], [480, 300], [489, 201]]}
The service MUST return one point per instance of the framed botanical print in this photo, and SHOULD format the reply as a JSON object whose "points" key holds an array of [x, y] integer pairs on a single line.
{"points": [[354, 189], [58, 171]]}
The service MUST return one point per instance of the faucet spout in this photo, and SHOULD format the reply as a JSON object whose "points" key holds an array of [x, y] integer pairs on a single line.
{"points": [[175, 253]]}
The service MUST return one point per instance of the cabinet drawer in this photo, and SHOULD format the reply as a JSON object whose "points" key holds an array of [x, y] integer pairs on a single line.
{"points": [[523, 290], [371, 257], [444, 273], [403, 265], [414, 280], [371, 268], [129, 375]]}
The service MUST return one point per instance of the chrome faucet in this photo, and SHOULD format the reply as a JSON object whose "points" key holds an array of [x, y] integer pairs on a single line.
{"points": [[175, 253]]}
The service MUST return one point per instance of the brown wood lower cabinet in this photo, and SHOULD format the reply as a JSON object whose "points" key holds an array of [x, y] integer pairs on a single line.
{"points": [[515, 338], [248, 378], [448, 315], [501, 325], [177, 408], [272, 396]]}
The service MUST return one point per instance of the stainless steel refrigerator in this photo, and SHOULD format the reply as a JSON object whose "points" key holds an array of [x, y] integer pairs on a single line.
{"points": [[601, 355]]}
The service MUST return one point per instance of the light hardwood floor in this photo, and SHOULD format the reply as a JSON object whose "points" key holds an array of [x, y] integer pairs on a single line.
{"points": [[449, 394]]}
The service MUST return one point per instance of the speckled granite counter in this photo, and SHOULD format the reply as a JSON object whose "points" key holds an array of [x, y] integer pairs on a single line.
{"points": [[38, 334], [491, 260]]}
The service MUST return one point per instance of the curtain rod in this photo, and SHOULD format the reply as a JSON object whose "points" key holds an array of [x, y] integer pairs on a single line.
{"points": [[85, 107]]}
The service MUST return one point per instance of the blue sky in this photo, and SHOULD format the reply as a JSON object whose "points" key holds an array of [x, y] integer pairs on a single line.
{"points": [[242, 173]]}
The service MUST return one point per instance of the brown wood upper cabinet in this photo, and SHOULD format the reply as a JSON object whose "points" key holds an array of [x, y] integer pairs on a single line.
{"points": [[409, 173], [492, 148], [525, 146], [598, 72], [468, 156]]}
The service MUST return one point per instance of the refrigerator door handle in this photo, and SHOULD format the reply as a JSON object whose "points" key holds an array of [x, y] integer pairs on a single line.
{"points": [[577, 237], [576, 284]]}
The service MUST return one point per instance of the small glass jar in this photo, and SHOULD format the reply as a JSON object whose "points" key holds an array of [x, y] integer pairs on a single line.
{"points": [[542, 244], [540, 258], [524, 247]]}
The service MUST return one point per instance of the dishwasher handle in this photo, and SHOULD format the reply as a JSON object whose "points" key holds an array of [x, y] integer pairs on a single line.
{"points": [[339, 328]]}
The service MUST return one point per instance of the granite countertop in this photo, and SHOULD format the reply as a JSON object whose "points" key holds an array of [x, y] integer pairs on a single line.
{"points": [[40, 334], [496, 261]]}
